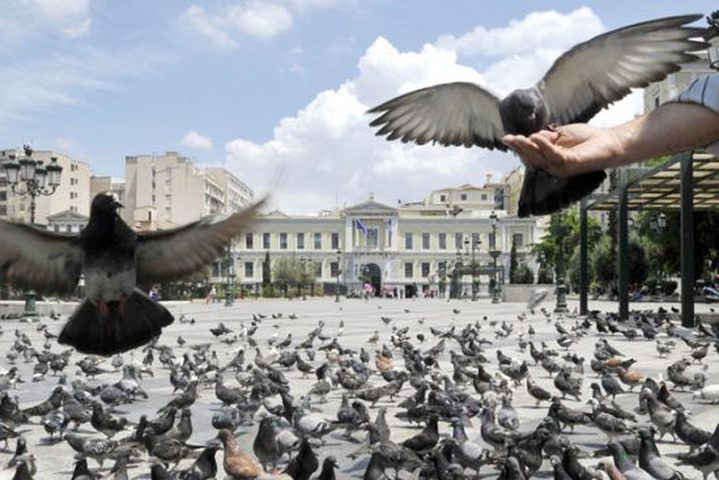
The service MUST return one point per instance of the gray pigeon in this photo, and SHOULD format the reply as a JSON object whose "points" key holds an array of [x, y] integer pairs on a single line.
{"points": [[580, 83], [116, 316]]}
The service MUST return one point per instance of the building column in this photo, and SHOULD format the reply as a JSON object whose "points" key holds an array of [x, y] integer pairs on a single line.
{"points": [[583, 259], [687, 239], [623, 244]]}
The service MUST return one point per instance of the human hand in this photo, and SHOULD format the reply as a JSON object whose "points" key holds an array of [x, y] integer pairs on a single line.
{"points": [[564, 151]]}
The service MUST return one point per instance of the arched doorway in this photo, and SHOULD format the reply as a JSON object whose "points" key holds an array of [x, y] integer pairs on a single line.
{"points": [[372, 274]]}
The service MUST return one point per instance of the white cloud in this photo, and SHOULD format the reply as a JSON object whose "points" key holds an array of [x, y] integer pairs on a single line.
{"points": [[547, 29], [70, 17], [209, 26], [261, 19], [327, 153], [194, 140]]}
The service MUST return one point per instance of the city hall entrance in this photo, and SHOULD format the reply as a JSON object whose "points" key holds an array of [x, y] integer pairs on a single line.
{"points": [[372, 275]]}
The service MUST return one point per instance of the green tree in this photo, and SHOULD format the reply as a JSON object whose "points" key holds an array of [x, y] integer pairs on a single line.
{"points": [[605, 264], [513, 264], [638, 264], [562, 238]]}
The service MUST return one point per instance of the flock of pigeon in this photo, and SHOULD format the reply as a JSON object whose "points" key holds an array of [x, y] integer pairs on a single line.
{"points": [[465, 397]]}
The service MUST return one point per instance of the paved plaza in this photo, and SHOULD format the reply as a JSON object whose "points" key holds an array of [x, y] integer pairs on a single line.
{"points": [[361, 319]]}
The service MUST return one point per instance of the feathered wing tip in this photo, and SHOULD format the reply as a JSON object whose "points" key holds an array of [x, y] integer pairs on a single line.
{"points": [[543, 194], [91, 333]]}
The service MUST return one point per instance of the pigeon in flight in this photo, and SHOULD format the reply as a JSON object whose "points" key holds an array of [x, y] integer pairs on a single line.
{"points": [[580, 83], [116, 316]]}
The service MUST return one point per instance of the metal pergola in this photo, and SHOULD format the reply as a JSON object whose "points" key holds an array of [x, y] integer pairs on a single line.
{"points": [[687, 182]]}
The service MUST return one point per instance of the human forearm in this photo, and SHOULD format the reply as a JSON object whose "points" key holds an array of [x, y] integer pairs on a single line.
{"points": [[579, 148], [671, 128]]}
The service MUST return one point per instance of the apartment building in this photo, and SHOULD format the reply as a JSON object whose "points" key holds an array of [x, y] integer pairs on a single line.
{"points": [[72, 194], [105, 184], [169, 190]]}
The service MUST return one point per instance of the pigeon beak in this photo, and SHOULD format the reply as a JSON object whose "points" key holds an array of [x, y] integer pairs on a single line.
{"points": [[117, 204]]}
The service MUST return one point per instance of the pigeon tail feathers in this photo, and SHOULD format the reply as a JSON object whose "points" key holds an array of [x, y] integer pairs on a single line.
{"points": [[543, 193], [120, 330]]}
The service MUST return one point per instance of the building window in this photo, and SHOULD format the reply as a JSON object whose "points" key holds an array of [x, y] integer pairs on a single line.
{"points": [[334, 269], [249, 270], [518, 239], [408, 270], [492, 240], [425, 241], [318, 241], [372, 238], [68, 228], [249, 241], [476, 240], [56, 228], [463, 196], [318, 270], [300, 241], [408, 241], [443, 241], [283, 241], [458, 238], [425, 269], [3, 196], [266, 240], [484, 196], [335, 241], [443, 198], [442, 269]]}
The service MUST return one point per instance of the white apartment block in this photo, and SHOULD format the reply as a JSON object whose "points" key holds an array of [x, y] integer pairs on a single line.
{"points": [[105, 184], [72, 194], [236, 193], [169, 190], [402, 248]]}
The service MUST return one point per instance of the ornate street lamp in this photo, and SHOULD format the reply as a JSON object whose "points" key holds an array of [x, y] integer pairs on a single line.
{"points": [[494, 252], [339, 271], [456, 287], [474, 245], [229, 277], [38, 180], [561, 287], [711, 33]]}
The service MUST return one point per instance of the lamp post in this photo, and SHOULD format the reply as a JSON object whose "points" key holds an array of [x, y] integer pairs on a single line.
{"points": [[494, 252], [39, 180], [229, 277], [456, 287], [657, 224], [304, 262], [561, 287], [339, 270], [474, 245], [711, 32]]}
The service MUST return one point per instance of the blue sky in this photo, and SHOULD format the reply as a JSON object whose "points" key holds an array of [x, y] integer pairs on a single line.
{"points": [[277, 88]]}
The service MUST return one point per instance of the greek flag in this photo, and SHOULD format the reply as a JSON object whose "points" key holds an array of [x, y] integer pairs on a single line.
{"points": [[361, 226]]}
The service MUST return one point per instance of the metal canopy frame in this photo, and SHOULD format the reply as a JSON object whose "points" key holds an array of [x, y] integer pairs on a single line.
{"points": [[659, 188], [687, 182]]}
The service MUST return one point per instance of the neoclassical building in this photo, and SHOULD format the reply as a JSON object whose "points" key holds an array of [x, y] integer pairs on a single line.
{"points": [[401, 250]]}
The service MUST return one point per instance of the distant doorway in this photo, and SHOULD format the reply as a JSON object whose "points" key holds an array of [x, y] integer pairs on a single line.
{"points": [[372, 274]]}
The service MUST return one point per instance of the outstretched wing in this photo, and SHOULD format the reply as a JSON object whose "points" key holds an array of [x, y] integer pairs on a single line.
{"points": [[458, 113], [602, 70], [40, 260], [172, 254]]}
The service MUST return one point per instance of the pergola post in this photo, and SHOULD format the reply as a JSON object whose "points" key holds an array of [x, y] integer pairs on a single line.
{"points": [[687, 239], [583, 259], [623, 244]]}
